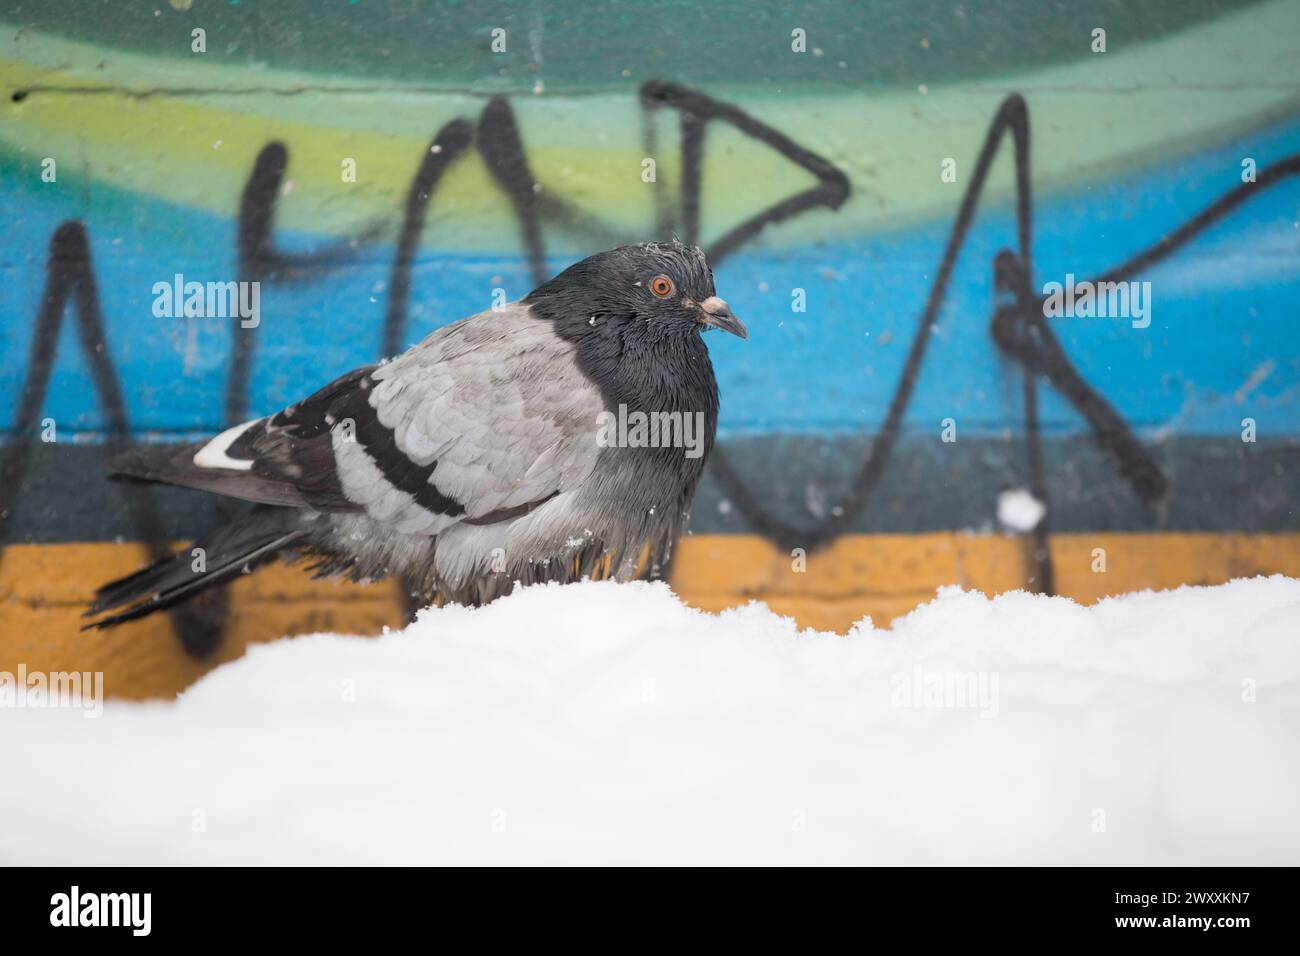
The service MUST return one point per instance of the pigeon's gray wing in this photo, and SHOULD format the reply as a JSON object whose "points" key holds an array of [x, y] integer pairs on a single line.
{"points": [[482, 421]]}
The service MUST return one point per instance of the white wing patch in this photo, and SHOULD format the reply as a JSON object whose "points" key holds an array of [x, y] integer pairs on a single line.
{"points": [[213, 454]]}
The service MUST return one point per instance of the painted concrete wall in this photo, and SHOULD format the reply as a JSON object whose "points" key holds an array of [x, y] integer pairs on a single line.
{"points": [[885, 191]]}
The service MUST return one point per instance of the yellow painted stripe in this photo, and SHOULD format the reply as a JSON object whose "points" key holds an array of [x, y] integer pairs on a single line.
{"points": [[43, 589], [885, 576]]}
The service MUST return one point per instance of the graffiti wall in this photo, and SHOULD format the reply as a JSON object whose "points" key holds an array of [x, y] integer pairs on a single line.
{"points": [[1021, 285]]}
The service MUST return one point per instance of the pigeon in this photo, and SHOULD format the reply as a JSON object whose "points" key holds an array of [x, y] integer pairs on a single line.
{"points": [[554, 438]]}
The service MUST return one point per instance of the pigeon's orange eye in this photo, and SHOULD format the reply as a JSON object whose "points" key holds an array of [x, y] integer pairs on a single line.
{"points": [[661, 286]]}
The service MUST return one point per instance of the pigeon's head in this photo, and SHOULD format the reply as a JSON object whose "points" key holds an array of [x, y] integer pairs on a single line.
{"points": [[663, 288]]}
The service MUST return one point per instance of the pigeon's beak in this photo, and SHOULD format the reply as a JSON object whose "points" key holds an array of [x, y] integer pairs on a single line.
{"points": [[715, 314]]}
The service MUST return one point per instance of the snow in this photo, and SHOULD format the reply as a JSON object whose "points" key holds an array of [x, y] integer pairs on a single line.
{"points": [[609, 723], [1019, 510]]}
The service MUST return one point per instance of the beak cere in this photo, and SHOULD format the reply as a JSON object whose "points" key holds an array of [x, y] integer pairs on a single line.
{"points": [[717, 315]]}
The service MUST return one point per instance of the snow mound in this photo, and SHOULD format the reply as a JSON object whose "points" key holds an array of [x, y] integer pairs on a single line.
{"points": [[610, 723]]}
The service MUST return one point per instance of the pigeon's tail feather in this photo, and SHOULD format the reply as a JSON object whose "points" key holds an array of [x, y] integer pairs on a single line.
{"points": [[223, 555]]}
